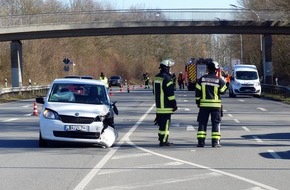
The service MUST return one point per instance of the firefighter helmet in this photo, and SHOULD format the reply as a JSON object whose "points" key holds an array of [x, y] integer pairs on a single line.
{"points": [[167, 63], [212, 65]]}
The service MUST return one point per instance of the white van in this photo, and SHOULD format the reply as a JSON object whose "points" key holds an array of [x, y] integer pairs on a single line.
{"points": [[245, 81]]}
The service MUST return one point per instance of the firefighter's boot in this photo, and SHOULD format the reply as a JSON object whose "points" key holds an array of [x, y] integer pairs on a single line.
{"points": [[200, 142], [215, 143]]}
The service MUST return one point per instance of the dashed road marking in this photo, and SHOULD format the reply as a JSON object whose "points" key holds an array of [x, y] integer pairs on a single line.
{"points": [[257, 139], [230, 115], [274, 154], [190, 128], [262, 109], [246, 128], [237, 121], [130, 156], [240, 100], [9, 120]]}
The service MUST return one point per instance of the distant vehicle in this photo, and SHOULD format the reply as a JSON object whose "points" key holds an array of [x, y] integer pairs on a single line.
{"points": [[116, 81], [244, 81], [77, 110], [194, 69]]}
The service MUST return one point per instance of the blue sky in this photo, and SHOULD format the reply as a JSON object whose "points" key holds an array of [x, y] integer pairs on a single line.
{"points": [[172, 4]]}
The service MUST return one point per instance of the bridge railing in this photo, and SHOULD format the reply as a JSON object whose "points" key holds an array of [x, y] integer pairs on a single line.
{"points": [[141, 15]]}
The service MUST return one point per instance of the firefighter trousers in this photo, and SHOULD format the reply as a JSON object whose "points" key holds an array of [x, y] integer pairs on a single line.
{"points": [[202, 119], [163, 121]]}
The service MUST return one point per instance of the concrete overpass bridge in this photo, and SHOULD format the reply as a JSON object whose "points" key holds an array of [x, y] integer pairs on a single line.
{"points": [[16, 28]]}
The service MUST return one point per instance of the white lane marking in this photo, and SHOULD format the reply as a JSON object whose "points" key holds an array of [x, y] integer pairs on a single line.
{"points": [[190, 128], [186, 109], [161, 165], [257, 139], [26, 106], [105, 159], [203, 167], [131, 156], [230, 115], [237, 121], [246, 128], [240, 100], [11, 119], [274, 154], [262, 109], [255, 188], [145, 185], [185, 100], [29, 114]]}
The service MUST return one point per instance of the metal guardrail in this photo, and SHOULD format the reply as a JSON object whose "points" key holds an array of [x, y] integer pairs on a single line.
{"points": [[283, 91], [141, 15], [22, 89]]}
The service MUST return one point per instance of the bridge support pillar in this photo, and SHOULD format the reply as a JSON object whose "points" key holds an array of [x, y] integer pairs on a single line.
{"points": [[267, 59], [16, 63]]}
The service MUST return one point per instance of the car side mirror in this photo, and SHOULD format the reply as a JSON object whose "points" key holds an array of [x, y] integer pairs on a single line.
{"points": [[40, 100]]}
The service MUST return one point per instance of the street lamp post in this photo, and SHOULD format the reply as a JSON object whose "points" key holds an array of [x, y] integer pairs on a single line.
{"points": [[261, 38]]}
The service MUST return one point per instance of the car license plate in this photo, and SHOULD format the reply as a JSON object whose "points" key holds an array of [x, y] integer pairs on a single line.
{"points": [[76, 128]]}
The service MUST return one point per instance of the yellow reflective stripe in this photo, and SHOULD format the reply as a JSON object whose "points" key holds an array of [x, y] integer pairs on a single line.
{"points": [[197, 86], [216, 97], [164, 132], [197, 98], [213, 105], [169, 83], [164, 110], [216, 135], [224, 88], [203, 91], [201, 134], [211, 101], [171, 97]]}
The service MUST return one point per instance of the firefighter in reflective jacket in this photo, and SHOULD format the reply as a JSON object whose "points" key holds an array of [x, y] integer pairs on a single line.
{"points": [[163, 90], [208, 90]]}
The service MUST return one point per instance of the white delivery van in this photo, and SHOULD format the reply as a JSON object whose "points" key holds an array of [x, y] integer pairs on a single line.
{"points": [[245, 81]]}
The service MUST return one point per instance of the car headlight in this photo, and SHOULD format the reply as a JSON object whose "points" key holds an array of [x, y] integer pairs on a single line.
{"points": [[50, 114], [257, 84]]}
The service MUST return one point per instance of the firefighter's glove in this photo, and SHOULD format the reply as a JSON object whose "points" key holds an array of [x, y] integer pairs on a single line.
{"points": [[175, 108]]}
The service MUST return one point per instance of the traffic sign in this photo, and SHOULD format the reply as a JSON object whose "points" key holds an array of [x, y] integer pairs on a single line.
{"points": [[66, 68], [66, 60]]}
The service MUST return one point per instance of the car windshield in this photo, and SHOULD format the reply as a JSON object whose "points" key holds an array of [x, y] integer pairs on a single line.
{"points": [[79, 93], [246, 75]]}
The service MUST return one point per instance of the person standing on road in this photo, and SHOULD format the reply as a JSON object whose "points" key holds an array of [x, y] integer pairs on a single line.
{"points": [[180, 81], [104, 79], [207, 92], [163, 91]]}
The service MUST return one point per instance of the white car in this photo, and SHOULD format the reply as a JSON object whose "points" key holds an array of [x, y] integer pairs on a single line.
{"points": [[77, 110]]}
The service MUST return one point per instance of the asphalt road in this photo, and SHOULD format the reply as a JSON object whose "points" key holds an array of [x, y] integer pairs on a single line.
{"points": [[254, 154]]}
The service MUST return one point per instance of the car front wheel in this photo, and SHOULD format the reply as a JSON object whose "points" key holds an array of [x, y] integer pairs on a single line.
{"points": [[41, 141]]}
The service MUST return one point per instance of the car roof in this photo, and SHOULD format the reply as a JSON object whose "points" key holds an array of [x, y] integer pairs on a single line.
{"points": [[78, 81]]}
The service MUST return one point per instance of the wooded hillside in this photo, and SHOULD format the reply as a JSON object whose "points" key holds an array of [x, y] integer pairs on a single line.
{"points": [[130, 56]]}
